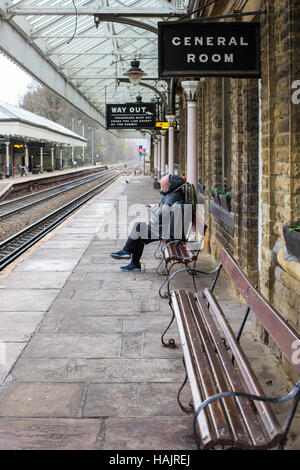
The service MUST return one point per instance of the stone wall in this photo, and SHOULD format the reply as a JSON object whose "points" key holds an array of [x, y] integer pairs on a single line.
{"points": [[277, 154]]}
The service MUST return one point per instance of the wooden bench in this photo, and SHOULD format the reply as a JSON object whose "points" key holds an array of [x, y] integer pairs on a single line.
{"points": [[179, 252], [230, 408]]}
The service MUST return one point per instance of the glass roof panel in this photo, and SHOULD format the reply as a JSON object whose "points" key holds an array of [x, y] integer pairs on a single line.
{"points": [[94, 59]]}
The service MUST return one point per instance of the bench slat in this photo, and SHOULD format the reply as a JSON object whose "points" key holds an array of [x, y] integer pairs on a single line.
{"points": [[279, 329], [265, 411], [210, 343], [174, 251], [250, 419], [207, 436], [208, 388]]}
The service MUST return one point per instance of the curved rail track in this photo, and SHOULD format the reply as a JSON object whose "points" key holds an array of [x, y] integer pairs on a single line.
{"points": [[14, 246]]}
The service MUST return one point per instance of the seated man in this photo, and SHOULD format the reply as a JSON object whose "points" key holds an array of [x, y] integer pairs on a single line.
{"points": [[161, 224]]}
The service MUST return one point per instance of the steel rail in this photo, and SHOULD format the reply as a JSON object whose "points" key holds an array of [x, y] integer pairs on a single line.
{"points": [[53, 190], [12, 249]]}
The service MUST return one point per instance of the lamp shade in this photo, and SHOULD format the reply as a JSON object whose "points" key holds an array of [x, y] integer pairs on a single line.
{"points": [[135, 74]]}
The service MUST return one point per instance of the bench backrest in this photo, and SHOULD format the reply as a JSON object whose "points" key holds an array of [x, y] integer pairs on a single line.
{"points": [[284, 335]]}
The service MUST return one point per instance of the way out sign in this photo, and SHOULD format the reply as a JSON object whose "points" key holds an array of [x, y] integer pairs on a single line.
{"points": [[198, 49], [130, 116]]}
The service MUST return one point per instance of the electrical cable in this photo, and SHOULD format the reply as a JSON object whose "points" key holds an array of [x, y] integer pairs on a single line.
{"points": [[76, 18]]}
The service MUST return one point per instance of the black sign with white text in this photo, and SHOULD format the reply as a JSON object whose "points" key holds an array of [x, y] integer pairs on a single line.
{"points": [[130, 116], [198, 49]]}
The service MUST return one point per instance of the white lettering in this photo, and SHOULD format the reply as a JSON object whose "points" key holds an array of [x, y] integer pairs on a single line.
{"points": [[187, 41], [191, 58], [216, 58], [243, 43], [203, 58], [228, 58], [198, 41], [176, 41], [296, 94], [296, 354], [221, 41], [209, 41], [131, 110], [232, 42]]}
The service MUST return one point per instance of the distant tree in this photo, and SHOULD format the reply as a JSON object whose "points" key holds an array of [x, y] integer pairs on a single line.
{"points": [[44, 102]]}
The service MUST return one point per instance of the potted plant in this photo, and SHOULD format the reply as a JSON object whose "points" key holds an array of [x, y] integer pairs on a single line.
{"points": [[201, 186], [292, 239], [225, 200], [215, 193]]}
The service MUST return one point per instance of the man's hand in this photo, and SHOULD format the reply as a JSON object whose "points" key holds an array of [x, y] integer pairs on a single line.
{"points": [[150, 206]]}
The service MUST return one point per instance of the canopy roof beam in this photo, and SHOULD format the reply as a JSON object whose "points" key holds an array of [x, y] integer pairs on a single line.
{"points": [[90, 11]]}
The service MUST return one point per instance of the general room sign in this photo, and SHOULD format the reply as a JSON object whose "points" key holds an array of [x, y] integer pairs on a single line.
{"points": [[197, 49], [130, 116]]}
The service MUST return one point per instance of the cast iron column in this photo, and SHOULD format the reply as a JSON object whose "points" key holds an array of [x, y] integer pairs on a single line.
{"points": [[170, 118], [190, 89], [7, 158], [155, 156], [52, 158], [163, 153], [158, 158], [41, 159]]}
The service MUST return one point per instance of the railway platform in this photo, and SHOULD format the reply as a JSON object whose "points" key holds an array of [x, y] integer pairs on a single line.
{"points": [[82, 365], [6, 184]]}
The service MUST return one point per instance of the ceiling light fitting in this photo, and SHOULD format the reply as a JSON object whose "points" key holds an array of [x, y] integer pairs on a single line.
{"points": [[135, 74]]}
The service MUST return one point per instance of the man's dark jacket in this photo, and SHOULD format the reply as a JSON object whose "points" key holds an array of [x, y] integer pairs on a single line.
{"points": [[163, 222]]}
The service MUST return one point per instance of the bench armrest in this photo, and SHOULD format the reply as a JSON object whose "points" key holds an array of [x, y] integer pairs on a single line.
{"points": [[192, 271], [295, 393]]}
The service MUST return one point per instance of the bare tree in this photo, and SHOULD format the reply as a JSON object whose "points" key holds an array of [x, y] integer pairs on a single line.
{"points": [[110, 149]]}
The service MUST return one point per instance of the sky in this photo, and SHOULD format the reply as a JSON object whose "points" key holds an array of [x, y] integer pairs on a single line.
{"points": [[13, 81]]}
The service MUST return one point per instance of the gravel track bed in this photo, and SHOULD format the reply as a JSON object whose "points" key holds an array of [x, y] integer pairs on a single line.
{"points": [[13, 224]]}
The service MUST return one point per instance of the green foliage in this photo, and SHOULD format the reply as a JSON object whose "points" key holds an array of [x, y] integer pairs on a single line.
{"points": [[218, 190], [215, 191], [296, 228]]}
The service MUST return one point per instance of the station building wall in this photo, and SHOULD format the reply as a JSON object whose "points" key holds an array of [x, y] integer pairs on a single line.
{"points": [[249, 140]]}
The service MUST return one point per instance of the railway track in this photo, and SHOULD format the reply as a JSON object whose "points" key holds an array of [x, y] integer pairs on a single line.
{"points": [[14, 246], [11, 207]]}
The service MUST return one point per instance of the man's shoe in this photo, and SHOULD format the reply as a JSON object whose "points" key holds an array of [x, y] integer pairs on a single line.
{"points": [[122, 254], [131, 267]]}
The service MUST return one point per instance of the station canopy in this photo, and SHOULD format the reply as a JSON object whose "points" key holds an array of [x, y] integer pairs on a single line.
{"points": [[59, 43], [21, 124]]}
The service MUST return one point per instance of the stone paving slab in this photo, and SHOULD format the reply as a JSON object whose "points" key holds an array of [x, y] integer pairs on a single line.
{"points": [[18, 326], [49, 434], [21, 300], [64, 345], [61, 253], [134, 400], [41, 399], [93, 307], [40, 280], [149, 433], [80, 324], [11, 351], [96, 370], [53, 264]]}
